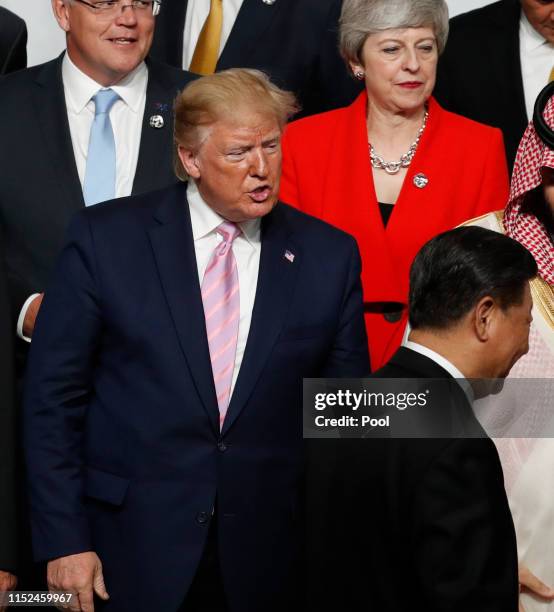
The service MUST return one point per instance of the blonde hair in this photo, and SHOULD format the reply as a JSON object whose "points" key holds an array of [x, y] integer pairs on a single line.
{"points": [[223, 95]]}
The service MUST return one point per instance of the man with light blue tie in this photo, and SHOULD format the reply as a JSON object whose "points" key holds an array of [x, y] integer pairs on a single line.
{"points": [[92, 125]]}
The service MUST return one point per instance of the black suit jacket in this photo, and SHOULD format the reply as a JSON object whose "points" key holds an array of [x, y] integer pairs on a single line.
{"points": [[479, 73], [8, 511], [39, 186], [294, 41], [401, 524], [13, 42]]}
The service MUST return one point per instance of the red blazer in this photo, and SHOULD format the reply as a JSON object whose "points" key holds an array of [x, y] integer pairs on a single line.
{"points": [[327, 173]]}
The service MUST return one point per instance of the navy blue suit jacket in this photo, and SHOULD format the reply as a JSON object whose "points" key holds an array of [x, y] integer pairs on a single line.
{"points": [[124, 451]]}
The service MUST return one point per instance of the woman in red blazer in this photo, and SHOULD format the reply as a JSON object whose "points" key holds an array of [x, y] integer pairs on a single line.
{"points": [[394, 169]]}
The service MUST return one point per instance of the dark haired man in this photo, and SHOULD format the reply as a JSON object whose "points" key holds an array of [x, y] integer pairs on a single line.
{"points": [[429, 525]]}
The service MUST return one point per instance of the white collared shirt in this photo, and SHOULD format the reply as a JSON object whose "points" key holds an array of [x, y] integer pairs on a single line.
{"points": [[197, 12], [537, 61], [247, 248], [125, 115], [126, 118], [445, 365]]}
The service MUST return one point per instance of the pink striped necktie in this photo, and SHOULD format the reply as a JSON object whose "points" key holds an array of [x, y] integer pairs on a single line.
{"points": [[220, 296]]}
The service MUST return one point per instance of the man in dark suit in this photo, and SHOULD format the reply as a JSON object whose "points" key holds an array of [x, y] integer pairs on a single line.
{"points": [[496, 61], [428, 524], [162, 306], [296, 43], [13, 42], [48, 114], [8, 510]]}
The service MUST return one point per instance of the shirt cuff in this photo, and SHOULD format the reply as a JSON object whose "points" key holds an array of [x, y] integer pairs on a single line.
{"points": [[21, 317]]}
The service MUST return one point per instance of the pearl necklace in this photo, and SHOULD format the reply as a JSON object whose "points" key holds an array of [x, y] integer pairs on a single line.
{"points": [[393, 167]]}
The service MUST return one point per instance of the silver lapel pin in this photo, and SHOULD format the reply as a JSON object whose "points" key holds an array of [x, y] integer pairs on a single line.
{"points": [[269, 2], [156, 122], [420, 180]]}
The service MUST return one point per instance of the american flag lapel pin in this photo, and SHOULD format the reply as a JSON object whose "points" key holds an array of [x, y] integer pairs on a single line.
{"points": [[289, 256]]}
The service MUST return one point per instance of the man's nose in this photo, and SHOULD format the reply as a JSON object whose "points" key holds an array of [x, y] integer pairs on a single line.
{"points": [[259, 163]]}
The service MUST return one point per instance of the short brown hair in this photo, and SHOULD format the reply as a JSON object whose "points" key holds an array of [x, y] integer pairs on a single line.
{"points": [[361, 18], [221, 95]]}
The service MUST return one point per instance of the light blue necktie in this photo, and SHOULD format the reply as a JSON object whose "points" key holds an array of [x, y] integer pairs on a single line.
{"points": [[99, 183]]}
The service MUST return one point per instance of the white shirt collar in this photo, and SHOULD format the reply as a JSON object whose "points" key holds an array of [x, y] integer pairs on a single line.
{"points": [[529, 38], [205, 220], [445, 364], [80, 88]]}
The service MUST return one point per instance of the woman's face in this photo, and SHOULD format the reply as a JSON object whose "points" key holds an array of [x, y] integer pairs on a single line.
{"points": [[400, 67]]}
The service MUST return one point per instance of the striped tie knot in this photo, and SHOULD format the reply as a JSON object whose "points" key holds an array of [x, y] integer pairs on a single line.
{"points": [[228, 231]]}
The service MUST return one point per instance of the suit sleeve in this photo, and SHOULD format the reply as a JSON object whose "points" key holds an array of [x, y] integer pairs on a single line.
{"points": [[8, 510], [57, 391], [17, 55], [495, 186], [349, 356], [463, 538]]}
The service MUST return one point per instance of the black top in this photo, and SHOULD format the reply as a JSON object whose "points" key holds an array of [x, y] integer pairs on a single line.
{"points": [[386, 212]]}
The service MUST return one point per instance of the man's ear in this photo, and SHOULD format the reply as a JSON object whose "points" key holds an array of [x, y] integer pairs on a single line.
{"points": [[484, 315], [61, 13], [189, 159]]}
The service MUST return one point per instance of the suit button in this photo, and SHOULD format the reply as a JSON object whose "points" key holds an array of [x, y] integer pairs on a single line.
{"points": [[222, 447], [202, 518]]}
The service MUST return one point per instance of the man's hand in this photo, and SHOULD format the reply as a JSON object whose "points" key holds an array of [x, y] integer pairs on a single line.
{"points": [[8, 582], [529, 582], [31, 316], [80, 574]]}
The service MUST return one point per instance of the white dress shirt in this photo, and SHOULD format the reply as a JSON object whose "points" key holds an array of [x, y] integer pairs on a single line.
{"points": [[197, 12], [247, 247], [445, 365], [537, 61], [126, 117]]}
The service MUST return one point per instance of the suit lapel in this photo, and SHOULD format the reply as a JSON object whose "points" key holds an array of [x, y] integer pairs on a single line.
{"points": [[49, 101], [156, 148], [276, 281], [173, 248], [252, 21]]}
